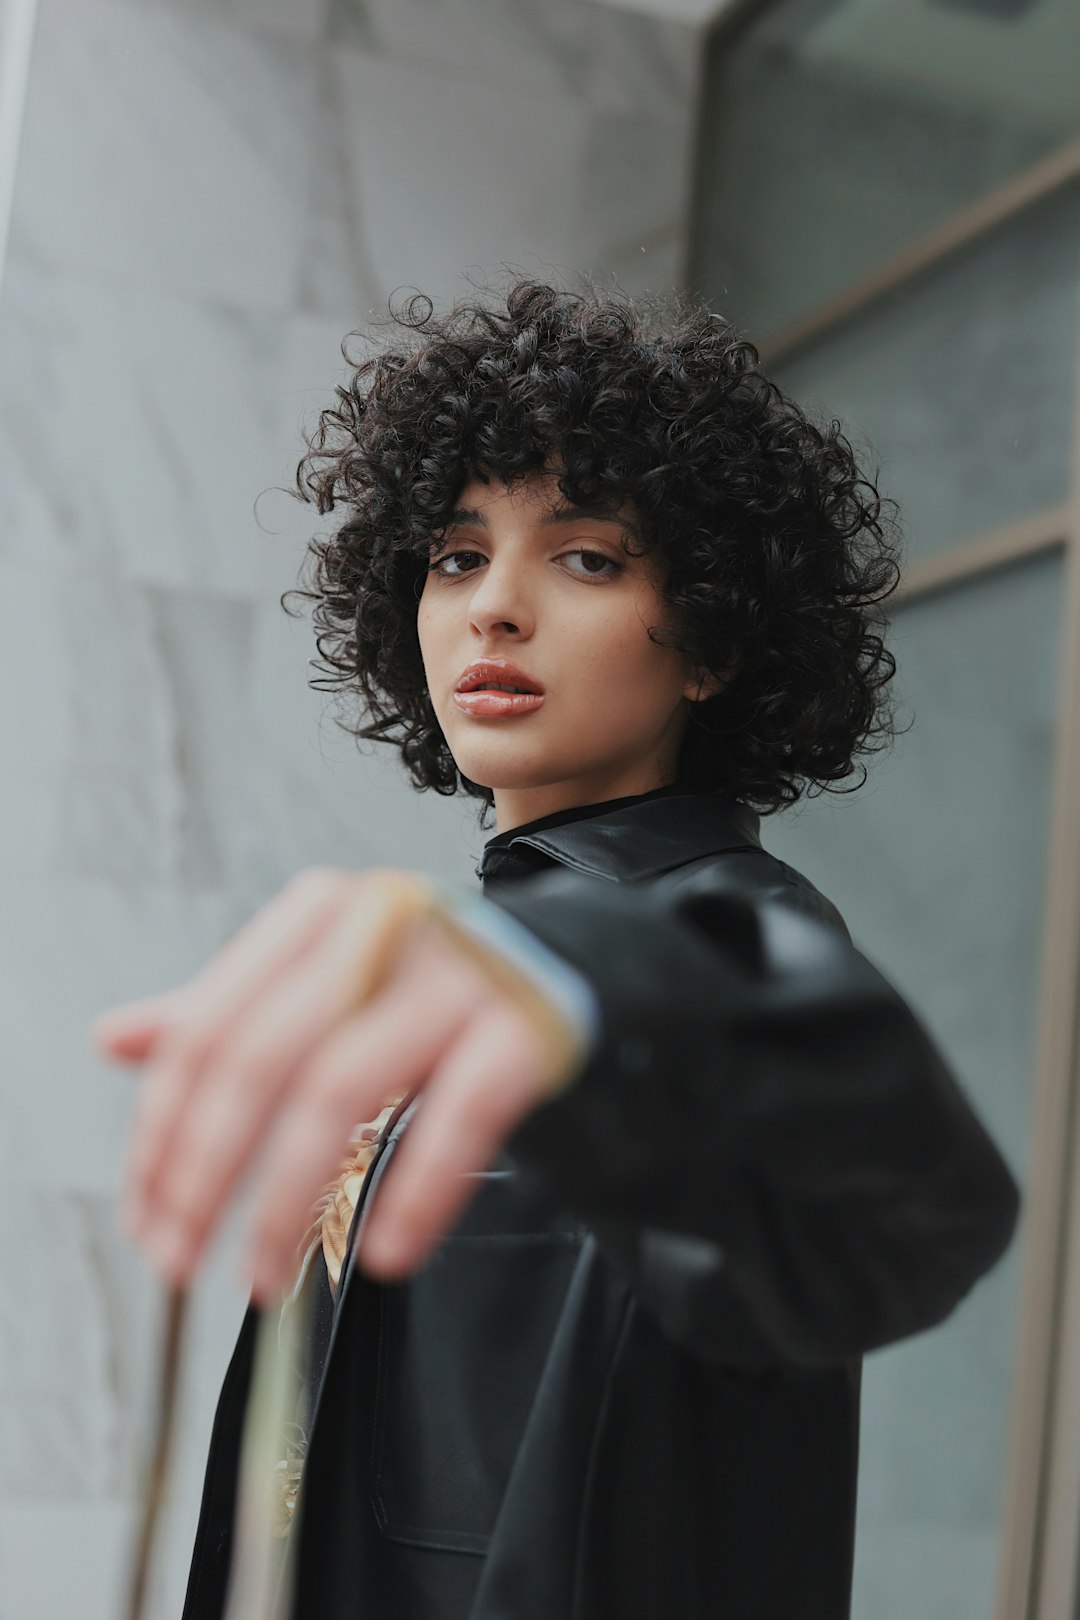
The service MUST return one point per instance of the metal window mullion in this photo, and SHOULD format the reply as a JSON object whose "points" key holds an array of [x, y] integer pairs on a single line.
{"points": [[1056, 1552]]}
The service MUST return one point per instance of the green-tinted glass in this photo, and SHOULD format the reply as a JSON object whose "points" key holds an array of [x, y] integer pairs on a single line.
{"points": [[939, 865], [838, 132], [962, 386]]}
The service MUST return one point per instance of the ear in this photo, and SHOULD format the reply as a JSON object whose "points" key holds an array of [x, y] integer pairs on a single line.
{"points": [[697, 689], [702, 684]]}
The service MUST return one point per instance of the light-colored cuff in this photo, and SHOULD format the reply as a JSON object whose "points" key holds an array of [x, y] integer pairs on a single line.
{"points": [[547, 986]]}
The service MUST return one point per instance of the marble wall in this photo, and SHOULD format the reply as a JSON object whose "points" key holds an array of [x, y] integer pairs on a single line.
{"points": [[209, 196]]}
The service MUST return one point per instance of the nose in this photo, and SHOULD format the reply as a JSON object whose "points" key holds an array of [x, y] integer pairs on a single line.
{"points": [[500, 600]]}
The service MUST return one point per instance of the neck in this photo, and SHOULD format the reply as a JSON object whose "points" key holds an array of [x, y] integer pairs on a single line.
{"points": [[516, 806]]}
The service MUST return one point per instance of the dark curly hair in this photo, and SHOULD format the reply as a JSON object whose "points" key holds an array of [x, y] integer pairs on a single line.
{"points": [[776, 546]]}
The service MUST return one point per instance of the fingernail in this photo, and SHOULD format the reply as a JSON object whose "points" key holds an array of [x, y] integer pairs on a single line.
{"points": [[168, 1247], [265, 1268], [384, 1250], [267, 1284], [108, 1025]]}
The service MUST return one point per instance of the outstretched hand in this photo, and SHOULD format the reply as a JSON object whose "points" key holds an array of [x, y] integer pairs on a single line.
{"points": [[265, 1062]]}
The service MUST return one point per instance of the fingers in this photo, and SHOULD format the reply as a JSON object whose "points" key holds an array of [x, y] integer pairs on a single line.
{"points": [[342, 992], [220, 1097], [268, 942], [491, 1078], [384, 1049], [205, 1148], [214, 1001]]}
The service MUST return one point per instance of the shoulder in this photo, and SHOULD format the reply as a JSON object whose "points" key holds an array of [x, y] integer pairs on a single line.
{"points": [[761, 878]]}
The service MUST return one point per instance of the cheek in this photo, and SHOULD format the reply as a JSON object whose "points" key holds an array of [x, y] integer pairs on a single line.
{"points": [[631, 675], [428, 635]]}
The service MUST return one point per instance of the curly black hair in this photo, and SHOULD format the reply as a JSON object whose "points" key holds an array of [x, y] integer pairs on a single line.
{"points": [[777, 548]]}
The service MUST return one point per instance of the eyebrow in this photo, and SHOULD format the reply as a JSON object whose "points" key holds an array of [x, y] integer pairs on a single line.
{"points": [[468, 517]]}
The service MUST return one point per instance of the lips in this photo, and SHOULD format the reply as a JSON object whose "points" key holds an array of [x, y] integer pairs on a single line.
{"points": [[497, 672], [478, 689]]}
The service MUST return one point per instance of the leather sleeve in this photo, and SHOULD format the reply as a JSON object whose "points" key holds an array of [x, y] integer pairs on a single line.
{"points": [[764, 1135]]}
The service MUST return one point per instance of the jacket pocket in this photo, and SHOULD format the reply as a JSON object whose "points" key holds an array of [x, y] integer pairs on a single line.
{"points": [[462, 1344]]}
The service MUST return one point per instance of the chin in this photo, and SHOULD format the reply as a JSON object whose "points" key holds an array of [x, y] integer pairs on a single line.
{"points": [[509, 774]]}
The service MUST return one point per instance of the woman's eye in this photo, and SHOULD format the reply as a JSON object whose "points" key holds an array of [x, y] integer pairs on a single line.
{"points": [[608, 570], [597, 556], [437, 567]]}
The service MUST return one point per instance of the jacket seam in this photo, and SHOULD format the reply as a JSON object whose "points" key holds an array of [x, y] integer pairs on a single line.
{"points": [[594, 1450]]}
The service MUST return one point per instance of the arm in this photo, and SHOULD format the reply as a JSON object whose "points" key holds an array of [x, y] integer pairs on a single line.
{"points": [[763, 1134]]}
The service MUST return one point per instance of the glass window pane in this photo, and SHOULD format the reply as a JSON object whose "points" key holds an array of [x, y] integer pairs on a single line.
{"points": [[837, 132], [938, 864], [963, 385]]}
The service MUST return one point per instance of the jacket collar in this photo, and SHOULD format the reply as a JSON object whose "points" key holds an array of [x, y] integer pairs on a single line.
{"points": [[637, 839]]}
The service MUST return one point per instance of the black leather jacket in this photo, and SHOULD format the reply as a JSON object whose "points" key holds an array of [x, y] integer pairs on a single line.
{"points": [[626, 1386]]}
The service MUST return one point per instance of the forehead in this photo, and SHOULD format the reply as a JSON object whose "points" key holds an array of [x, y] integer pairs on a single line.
{"points": [[537, 497]]}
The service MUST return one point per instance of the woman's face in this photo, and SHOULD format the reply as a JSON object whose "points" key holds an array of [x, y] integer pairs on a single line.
{"points": [[520, 576]]}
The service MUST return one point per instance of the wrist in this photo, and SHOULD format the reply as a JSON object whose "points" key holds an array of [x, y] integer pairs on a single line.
{"points": [[556, 996]]}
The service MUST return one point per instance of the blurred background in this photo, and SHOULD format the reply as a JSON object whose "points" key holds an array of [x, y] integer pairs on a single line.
{"points": [[198, 199]]}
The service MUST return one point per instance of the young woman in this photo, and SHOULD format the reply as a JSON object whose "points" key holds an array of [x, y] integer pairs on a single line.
{"points": [[662, 1154]]}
